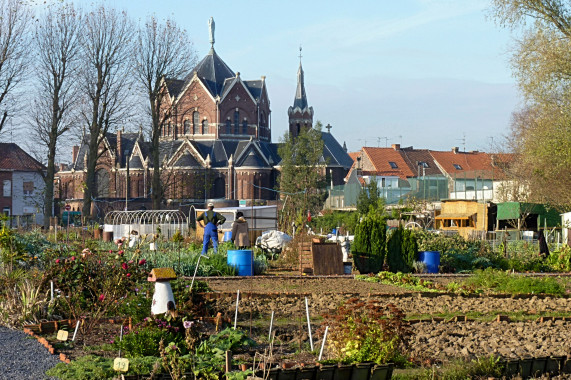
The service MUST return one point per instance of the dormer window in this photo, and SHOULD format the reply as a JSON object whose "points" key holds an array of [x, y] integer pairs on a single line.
{"points": [[457, 167], [423, 164], [393, 165]]}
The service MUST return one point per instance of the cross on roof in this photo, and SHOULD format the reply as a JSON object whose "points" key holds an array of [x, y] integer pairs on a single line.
{"points": [[328, 127]]}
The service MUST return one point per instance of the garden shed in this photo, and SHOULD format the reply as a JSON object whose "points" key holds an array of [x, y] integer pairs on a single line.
{"points": [[528, 216], [465, 217], [122, 223]]}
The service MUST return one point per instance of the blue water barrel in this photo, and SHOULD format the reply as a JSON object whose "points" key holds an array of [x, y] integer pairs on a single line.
{"points": [[227, 235], [243, 260], [431, 259]]}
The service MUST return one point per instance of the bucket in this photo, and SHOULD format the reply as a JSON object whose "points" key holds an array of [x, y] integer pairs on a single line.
{"points": [[107, 236], [227, 236], [347, 267], [242, 260], [431, 259]]}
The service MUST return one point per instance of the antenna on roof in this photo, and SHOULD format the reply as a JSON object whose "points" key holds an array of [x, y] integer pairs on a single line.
{"points": [[463, 139], [379, 141]]}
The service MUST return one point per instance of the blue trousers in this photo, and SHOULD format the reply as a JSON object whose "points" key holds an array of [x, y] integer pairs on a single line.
{"points": [[210, 232]]}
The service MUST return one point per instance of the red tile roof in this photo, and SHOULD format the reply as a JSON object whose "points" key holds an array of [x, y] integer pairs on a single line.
{"points": [[470, 164], [380, 158], [12, 157]]}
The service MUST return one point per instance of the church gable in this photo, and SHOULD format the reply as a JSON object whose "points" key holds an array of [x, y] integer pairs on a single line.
{"points": [[186, 156], [252, 156]]}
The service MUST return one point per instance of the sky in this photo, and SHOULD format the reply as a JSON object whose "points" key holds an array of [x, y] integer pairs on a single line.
{"points": [[425, 73]]}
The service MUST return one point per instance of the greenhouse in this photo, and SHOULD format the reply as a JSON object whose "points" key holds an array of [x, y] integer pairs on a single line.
{"points": [[168, 222]]}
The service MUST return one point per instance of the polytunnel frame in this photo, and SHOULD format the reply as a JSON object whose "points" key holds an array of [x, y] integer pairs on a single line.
{"points": [[139, 218]]}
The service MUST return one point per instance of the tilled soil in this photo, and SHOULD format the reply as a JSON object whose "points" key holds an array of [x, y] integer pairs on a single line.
{"points": [[434, 341]]}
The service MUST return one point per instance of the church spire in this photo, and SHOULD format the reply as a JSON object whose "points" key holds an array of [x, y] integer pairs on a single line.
{"points": [[300, 96], [300, 114]]}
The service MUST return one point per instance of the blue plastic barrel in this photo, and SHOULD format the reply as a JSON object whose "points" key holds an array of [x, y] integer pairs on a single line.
{"points": [[431, 259], [242, 260], [227, 235]]}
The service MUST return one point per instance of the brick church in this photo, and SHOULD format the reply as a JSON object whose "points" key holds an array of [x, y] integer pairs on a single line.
{"points": [[217, 146]]}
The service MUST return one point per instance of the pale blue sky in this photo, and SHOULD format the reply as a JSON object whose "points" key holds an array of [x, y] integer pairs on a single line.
{"points": [[418, 72]]}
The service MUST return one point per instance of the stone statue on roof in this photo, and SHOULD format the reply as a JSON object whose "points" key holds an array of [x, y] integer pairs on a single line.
{"points": [[211, 30]]}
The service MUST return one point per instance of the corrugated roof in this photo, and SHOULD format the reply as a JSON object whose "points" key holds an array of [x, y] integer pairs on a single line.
{"points": [[13, 157]]}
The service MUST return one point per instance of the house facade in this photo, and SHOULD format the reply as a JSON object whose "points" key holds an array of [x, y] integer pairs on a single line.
{"points": [[21, 176]]}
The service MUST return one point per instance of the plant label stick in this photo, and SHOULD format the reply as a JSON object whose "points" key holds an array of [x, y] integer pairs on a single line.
{"points": [[271, 325], [236, 313], [308, 324], [75, 332], [195, 270], [52, 291], [323, 343]]}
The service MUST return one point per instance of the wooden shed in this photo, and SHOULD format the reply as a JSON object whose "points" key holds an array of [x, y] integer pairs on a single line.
{"points": [[320, 258], [463, 216]]}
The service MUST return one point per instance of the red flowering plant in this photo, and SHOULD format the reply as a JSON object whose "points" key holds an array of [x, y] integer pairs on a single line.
{"points": [[93, 285]]}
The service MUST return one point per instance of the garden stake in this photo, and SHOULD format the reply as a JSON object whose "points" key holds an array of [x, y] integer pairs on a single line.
{"points": [[195, 270], [323, 343], [308, 324], [236, 314], [120, 340], [75, 332], [52, 291], [271, 325]]}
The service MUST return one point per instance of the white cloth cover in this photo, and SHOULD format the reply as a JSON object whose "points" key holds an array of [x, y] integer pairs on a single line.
{"points": [[273, 240]]}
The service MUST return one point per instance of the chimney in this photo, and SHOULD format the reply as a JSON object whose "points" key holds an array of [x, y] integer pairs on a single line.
{"points": [[455, 150], [74, 153], [396, 146], [119, 151]]}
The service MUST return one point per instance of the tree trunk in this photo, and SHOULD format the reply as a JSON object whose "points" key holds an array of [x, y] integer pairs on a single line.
{"points": [[89, 178], [49, 182], [156, 188]]}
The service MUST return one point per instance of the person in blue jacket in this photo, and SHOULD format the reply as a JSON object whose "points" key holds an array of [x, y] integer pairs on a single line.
{"points": [[212, 220]]}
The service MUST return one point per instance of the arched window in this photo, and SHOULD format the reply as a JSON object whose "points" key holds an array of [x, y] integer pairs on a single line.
{"points": [[228, 127], [204, 126], [196, 122], [245, 127], [186, 127], [236, 122]]}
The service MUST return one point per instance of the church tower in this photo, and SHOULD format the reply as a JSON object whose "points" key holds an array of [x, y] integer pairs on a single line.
{"points": [[300, 114]]}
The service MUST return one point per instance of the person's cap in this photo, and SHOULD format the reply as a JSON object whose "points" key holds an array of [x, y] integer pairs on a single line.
{"points": [[210, 204]]}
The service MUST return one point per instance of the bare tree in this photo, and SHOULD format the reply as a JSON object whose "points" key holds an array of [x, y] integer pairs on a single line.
{"points": [[106, 82], [56, 43], [14, 48], [163, 52]]}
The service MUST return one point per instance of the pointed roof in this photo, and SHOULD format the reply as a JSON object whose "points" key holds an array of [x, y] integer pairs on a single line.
{"points": [[15, 158], [212, 71], [186, 160], [300, 96]]}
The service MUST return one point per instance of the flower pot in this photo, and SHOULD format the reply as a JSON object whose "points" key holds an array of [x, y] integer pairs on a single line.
{"points": [[287, 374], [512, 368], [361, 371], [525, 367], [555, 364], [538, 366], [326, 372], [343, 372], [97, 233], [306, 373], [380, 372]]}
